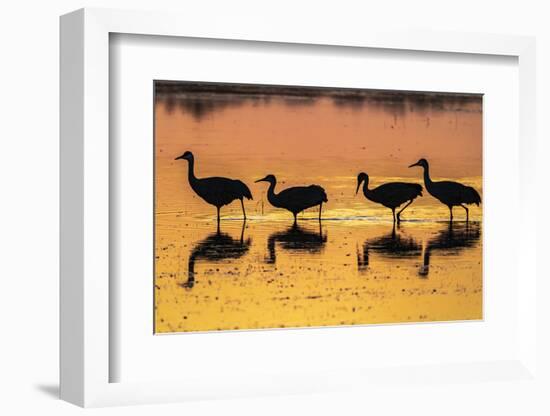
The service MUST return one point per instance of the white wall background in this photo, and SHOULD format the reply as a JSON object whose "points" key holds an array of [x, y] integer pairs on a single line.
{"points": [[29, 182]]}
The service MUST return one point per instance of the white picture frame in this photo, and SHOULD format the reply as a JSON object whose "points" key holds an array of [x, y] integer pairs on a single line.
{"points": [[85, 221]]}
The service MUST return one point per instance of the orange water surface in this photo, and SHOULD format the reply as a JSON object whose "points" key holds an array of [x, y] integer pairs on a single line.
{"points": [[353, 268]]}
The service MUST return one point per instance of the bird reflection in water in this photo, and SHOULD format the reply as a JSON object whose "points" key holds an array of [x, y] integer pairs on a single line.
{"points": [[450, 241], [393, 245], [216, 247], [295, 239]]}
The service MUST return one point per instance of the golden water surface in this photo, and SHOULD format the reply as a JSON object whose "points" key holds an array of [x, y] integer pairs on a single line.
{"points": [[354, 267]]}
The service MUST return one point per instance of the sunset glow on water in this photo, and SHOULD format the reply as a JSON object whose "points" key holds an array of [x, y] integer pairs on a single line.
{"points": [[354, 267]]}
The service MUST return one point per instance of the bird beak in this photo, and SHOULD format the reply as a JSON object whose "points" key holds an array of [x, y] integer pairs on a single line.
{"points": [[260, 180], [179, 157], [414, 164], [358, 185]]}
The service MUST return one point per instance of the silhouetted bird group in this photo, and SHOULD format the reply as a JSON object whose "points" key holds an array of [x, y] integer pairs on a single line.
{"points": [[220, 191]]}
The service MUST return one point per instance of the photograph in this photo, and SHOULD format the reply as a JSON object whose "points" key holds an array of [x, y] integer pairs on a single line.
{"points": [[280, 206]]}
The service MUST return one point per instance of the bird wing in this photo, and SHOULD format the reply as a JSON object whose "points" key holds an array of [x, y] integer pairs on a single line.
{"points": [[293, 192], [397, 193], [318, 191], [454, 193], [222, 191], [470, 196], [299, 198], [243, 189]]}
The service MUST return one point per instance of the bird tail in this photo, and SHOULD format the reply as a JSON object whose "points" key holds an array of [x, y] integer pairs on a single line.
{"points": [[471, 196], [325, 198], [419, 189], [245, 191], [318, 192]]}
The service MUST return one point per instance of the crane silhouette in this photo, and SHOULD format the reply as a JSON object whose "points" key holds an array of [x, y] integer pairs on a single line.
{"points": [[390, 195], [216, 247], [295, 199], [447, 192], [215, 190], [295, 239], [450, 241], [393, 246]]}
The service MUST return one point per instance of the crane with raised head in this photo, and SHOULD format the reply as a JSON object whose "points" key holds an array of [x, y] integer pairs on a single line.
{"points": [[216, 191], [447, 192]]}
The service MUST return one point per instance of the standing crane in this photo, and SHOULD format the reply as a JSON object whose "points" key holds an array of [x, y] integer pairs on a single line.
{"points": [[295, 199], [447, 192], [215, 190], [391, 195]]}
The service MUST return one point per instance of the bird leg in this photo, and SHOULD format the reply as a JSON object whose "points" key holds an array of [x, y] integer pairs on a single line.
{"points": [[244, 212], [295, 219], [425, 268], [467, 212], [451, 211], [403, 209], [242, 232], [363, 258], [393, 213], [320, 208], [218, 210]]}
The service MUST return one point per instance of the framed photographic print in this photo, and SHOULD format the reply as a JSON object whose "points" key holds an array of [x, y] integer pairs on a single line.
{"points": [[262, 213]]}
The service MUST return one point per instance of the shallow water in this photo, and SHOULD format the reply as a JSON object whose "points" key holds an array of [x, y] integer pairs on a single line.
{"points": [[353, 269], [271, 275]]}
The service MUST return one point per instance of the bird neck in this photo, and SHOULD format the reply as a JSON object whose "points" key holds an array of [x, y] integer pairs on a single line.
{"points": [[366, 190], [271, 195], [427, 179], [191, 172]]}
